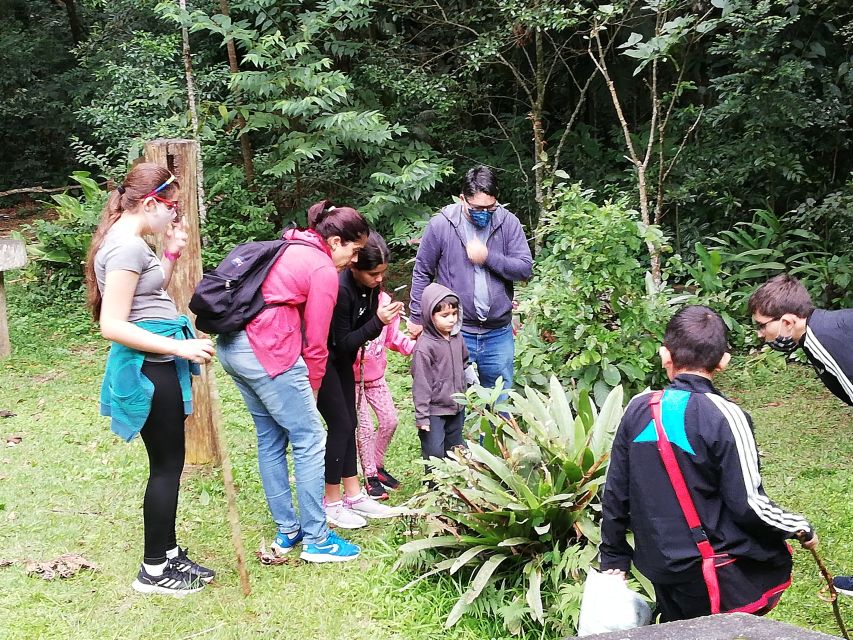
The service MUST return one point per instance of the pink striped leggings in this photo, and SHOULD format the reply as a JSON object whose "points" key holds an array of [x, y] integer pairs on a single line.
{"points": [[372, 442]]}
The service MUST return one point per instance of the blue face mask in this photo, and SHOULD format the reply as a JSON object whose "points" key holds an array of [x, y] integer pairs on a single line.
{"points": [[480, 217]]}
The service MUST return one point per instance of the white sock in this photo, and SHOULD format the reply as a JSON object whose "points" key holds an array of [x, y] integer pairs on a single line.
{"points": [[154, 569], [172, 553]]}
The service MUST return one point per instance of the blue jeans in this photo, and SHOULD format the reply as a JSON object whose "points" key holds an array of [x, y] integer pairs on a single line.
{"points": [[284, 412], [494, 352]]}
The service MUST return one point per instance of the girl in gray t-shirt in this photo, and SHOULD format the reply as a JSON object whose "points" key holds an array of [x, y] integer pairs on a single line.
{"points": [[146, 386]]}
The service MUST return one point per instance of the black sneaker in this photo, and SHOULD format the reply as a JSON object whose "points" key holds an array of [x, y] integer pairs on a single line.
{"points": [[182, 563], [375, 489], [171, 582], [387, 479]]}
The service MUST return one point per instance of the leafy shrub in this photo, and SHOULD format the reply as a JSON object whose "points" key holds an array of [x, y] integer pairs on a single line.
{"points": [[732, 264], [58, 247], [515, 519], [590, 313], [234, 215]]}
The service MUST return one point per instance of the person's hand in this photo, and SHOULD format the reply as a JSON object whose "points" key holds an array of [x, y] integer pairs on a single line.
{"points": [[810, 543], [414, 330], [616, 572], [423, 427], [199, 350], [176, 237], [388, 312], [477, 251]]}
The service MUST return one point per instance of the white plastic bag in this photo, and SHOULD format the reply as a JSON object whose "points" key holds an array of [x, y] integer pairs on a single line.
{"points": [[609, 605]]}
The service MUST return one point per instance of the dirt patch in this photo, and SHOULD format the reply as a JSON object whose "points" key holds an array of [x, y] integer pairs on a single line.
{"points": [[13, 218]]}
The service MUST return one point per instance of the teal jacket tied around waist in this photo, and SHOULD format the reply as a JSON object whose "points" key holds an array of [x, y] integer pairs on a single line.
{"points": [[126, 393]]}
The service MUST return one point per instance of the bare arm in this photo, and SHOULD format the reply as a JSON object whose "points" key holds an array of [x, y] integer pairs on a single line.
{"points": [[119, 287]]}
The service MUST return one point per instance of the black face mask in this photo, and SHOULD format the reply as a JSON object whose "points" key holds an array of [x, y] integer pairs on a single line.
{"points": [[785, 344]]}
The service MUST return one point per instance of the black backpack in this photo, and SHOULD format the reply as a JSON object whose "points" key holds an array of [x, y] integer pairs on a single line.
{"points": [[229, 297]]}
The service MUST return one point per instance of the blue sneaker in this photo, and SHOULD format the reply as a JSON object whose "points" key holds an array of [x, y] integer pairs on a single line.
{"points": [[843, 584], [284, 542], [332, 549]]}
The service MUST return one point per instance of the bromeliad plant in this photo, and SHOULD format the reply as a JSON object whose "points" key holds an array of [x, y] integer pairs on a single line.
{"points": [[514, 519]]}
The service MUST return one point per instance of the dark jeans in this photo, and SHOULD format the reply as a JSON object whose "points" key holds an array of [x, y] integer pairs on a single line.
{"points": [[163, 435], [445, 432]]}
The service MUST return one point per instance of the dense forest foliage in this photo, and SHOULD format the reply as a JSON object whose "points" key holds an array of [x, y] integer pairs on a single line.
{"points": [[706, 143]]}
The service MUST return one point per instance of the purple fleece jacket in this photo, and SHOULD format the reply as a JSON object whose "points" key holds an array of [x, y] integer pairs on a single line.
{"points": [[442, 258]]}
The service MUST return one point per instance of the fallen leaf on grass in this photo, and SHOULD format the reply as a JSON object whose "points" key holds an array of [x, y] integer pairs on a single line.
{"points": [[7, 414], [64, 566], [773, 404], [6, 563], [11, 441], [270, 558]]}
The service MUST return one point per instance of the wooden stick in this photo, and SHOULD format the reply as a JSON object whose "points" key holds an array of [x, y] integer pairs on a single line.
{"points": [[70, 187], [228, 481]]}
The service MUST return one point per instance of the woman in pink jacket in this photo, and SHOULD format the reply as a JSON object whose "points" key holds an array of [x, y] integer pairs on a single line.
{"points": [[371, 388], [278, 362]]}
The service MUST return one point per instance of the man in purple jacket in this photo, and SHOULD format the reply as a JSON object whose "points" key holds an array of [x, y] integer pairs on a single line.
{"points": [[477, 249]]}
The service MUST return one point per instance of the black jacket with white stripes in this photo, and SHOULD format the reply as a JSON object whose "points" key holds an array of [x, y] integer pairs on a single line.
{"points": [[714, 445], [828, 343]]}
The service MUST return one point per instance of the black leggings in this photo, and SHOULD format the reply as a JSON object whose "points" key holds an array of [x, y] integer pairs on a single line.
{"points": [[163, 435], [336, 402]]}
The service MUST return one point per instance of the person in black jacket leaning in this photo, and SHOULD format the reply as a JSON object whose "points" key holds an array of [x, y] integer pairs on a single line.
{"points": [[357, 319], [713, 444], [787, 320]]}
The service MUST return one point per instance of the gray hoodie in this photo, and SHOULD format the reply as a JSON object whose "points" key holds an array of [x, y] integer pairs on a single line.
{"points": [[438, 363]]}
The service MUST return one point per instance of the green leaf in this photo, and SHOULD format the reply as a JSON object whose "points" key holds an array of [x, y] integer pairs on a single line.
{"points": [[431, 543], [534, 595], [466, 557]]}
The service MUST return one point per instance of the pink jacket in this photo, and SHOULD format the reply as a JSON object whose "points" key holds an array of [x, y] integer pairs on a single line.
{"points": [[375, 358], [305, 280]]}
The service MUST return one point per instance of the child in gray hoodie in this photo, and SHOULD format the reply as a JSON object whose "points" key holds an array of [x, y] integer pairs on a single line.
{"points": [[440, 368]]}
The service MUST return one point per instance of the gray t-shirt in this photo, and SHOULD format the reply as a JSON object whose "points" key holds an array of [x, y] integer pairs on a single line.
{"points": [[126, 252], [482, 297]]}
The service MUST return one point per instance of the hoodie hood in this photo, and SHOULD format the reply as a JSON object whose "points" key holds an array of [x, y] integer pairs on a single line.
{"points": [[431, 296], [307, 235]]}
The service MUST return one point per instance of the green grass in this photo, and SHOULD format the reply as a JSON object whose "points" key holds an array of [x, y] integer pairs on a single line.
{"points": [[71, 486]]}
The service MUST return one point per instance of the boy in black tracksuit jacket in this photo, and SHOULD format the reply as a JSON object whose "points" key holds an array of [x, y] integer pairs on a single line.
{"points": [[713, 443], [786, 319]]}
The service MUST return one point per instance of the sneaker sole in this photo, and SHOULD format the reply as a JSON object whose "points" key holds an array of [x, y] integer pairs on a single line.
{"points": [[344, 525], [326, 557], [383, 496], [376, 516], [846, 592], [281, 551], [149, 589]]}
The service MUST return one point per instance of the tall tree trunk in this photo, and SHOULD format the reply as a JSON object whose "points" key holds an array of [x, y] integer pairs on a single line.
{"points": [[188, 72], [245, 141], [74, 21], [540, 167]]}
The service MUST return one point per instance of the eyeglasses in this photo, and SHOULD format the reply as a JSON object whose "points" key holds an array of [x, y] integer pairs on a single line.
{"points": [[491, 208], [171, 205], [762, 325]]}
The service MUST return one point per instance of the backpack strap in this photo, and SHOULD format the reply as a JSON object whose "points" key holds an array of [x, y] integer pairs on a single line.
{"points": [[286, 243], [685, 501]]}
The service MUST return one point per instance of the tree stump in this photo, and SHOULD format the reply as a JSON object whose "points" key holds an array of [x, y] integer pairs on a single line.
{"points": [[13, 255], [181, 157]]}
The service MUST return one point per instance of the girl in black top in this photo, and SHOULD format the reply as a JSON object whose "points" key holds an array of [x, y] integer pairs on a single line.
{"points": [[357, 319]]}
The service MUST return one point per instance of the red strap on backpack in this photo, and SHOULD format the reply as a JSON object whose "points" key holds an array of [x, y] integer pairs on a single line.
{"points": [[685, 501]]}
